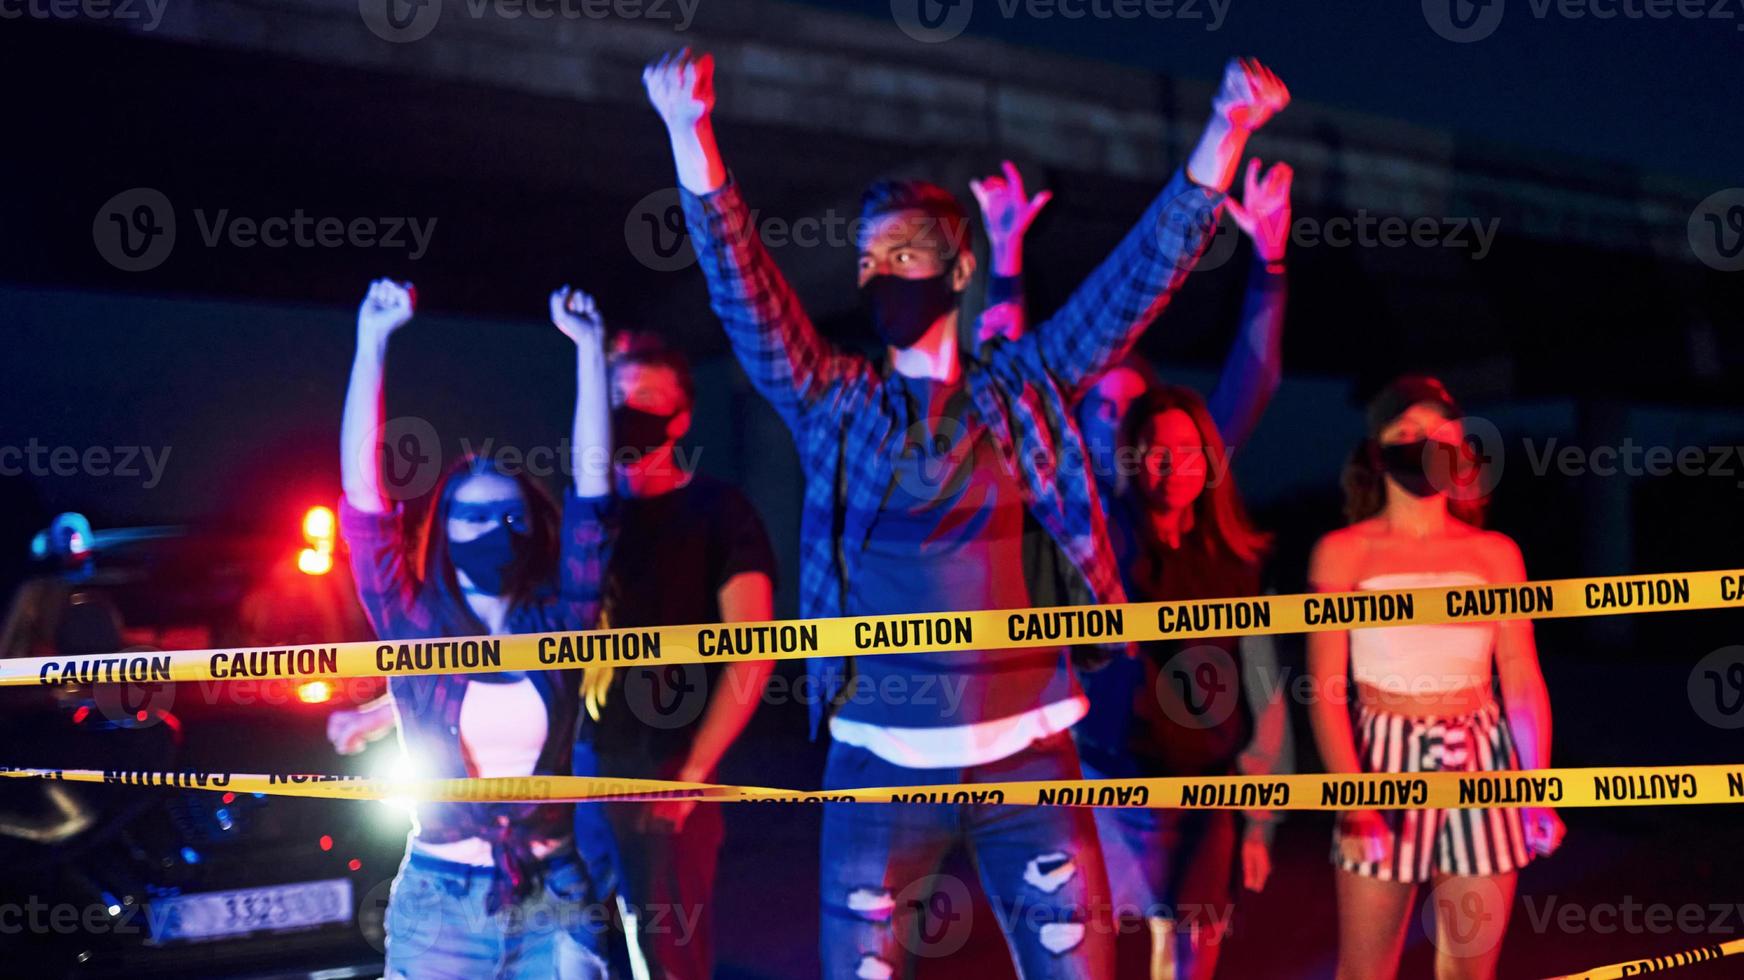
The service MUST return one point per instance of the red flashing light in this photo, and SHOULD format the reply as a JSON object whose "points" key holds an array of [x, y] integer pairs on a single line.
{"points": [[318, 524], [355, 865], [326, 842], [319, 527]]}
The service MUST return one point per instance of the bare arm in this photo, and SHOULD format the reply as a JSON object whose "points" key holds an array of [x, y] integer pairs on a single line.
{"points": [[682, 88], [590, 444], [747, 597], [1122, 296], [1524, 694], [1329, 667], [1254, 367], [386, 308], [1362, 833], [783, 355]]}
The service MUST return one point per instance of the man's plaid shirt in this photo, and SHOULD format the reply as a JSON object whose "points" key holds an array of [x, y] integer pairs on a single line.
{"points": [[844, 416]]}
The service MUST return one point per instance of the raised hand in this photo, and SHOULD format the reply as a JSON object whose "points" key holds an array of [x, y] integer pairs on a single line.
{"points": [[681, 86], [1263, 212], [1249, 95], [386, 307], [574, 313], [1007, 212]]}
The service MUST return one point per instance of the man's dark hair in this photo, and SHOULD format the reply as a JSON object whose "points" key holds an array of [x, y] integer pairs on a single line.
{"points": [[890, 196], [646, 349]]}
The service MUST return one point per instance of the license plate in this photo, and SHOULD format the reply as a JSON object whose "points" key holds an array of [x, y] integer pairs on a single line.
{"points": [[215, 915]]}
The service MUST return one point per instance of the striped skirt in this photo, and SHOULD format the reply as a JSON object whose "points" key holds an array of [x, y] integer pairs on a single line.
{"points": [[1452, 842]]}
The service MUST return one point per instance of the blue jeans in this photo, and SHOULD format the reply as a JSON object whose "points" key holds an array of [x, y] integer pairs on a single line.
{"points": [[885, 902], [438, 929]]}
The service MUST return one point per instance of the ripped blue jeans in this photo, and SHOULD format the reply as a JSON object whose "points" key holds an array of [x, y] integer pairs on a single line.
{"points": [[438, 929], [885, 902]]}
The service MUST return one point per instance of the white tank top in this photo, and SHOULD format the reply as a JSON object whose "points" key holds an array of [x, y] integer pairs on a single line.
{"points": [[1422, 659], [502, 732]]}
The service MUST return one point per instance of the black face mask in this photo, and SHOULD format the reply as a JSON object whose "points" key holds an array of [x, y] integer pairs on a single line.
{"points": [[903, 309], [1422, 468], [487, 559], [635, 429]]}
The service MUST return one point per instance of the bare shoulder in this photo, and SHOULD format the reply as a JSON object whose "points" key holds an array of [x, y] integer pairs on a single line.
{"points": [[1337, 555], [1500, 554]]}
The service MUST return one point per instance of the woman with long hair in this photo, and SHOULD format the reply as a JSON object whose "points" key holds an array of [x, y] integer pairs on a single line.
{"points": [[1425, 695], [1208, 707], [486, 889]]}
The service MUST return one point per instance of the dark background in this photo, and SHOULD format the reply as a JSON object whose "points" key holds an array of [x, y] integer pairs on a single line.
{"points": [[235, 360]]}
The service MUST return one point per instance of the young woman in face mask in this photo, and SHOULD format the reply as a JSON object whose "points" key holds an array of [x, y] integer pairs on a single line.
{"points": [[486, 889], [1425, 695], [1202, 708]]}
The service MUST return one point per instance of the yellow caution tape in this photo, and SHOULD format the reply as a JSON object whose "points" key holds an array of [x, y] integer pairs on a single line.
{"points": [[867, 635], [1660, 964], [1607, 786]]}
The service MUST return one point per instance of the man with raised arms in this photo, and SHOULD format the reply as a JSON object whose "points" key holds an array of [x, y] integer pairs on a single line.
{"points": [[913, 505]]}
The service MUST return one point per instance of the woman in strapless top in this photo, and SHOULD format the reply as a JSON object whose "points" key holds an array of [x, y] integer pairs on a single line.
{"points": [[1425, 695]]}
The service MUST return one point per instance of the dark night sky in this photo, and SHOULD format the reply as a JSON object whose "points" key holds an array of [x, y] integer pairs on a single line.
{"points": [[1660, 94]]}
